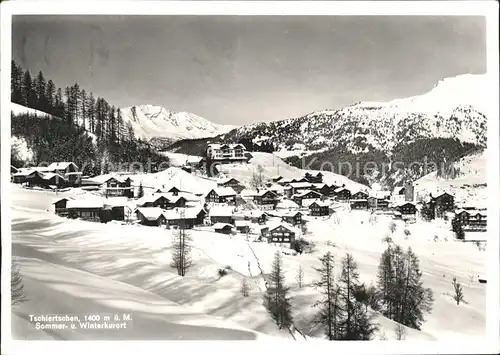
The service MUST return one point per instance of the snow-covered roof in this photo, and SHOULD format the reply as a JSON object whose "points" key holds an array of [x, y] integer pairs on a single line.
{"points": [[67, 198], [182, 213], [221, 211], [290, 213], [241, 223], [397, 190], [274, 225], [151, 213], [222, 225], [61, 165], [48, 176], [85, 203], [224, 191], [230, 145], [24, 172], [225, 180], [472, 212], [320, 204], [263, 192], [402, 203], [305, 192], [340, 189], [42, 169], [286, 203], [103, 178], [116, 201], [299, 185]]}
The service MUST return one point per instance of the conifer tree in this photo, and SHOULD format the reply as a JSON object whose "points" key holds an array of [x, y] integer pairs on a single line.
{"points": [[330, 312], [276, 299], [356, 324]]}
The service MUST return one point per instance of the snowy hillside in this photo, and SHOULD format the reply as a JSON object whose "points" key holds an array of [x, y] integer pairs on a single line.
{"points": [[455, 107], [469, 187], [273, 166], [17, 109], [156, 122]]}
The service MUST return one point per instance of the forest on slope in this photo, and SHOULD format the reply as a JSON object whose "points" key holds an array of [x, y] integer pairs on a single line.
{"points": [[73, 125]]}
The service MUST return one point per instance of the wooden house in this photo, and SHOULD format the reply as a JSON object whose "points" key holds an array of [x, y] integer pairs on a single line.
{"points": [[185, 218], [378, 203], [322, 188], [68, 170], [60, 207], [472, 219], [89, 209], [221, 195], [319, 208], [440, 203], [223, 228], [292, 217], [342, 194], [266, 199], [314, 178], [21, 175], [359, 195], [256, 216], [115, 186], [232, 183], [309, 195], [221, 214], [117, 207], [406, 209], [53, 179], [35, 178], [359, 204], [151, 216], [242, 226], [281, 234]]}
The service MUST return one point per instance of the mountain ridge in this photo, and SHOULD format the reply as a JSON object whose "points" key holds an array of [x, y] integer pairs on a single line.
{"points": [[158, 124]]}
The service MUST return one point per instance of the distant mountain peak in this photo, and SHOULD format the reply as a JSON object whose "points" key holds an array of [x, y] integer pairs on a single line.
{"points": [[157, 122]]}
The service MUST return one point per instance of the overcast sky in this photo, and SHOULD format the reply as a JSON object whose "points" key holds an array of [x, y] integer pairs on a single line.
{"points": [[237, 70]]}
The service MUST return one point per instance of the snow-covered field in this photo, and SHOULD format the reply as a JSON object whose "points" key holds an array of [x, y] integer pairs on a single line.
{"points": [[67, 256]]}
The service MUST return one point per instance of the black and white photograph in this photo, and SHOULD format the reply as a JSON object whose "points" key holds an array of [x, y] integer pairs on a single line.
{"points": [[246, 175]]}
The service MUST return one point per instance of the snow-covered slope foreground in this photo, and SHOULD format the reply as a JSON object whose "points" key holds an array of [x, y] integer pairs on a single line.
{"points": [[140, 256], [455, 108], [469, 186], [150, 122], [56, 289]]}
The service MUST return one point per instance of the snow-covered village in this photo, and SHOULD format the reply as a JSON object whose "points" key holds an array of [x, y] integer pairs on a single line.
{"points": [[366, 222]]}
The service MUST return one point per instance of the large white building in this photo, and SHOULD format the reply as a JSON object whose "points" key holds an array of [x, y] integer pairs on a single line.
{"points": [[227, 153]]}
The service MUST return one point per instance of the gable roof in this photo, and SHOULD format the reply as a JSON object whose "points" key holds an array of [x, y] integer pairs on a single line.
{"points": [[62, 165], [150, 213], [319, 204], [182, 213], [290, 213], [48, 176], [222, 225], [224, 191], [226, 180], [298, 185], [306, 192], [273, 225], [116, 201], [93, 202]]}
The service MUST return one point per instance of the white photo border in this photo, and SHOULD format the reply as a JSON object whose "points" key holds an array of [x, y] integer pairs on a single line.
{"points": [[489, 9]]}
